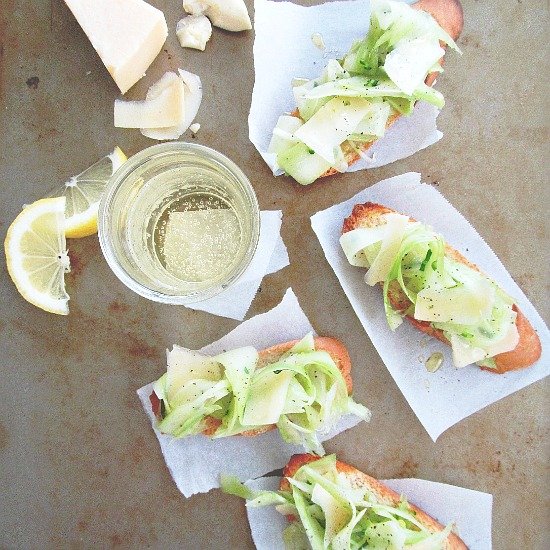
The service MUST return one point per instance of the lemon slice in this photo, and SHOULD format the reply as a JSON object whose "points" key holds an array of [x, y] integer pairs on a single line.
{"points": [[36, 254], [83, 193]]}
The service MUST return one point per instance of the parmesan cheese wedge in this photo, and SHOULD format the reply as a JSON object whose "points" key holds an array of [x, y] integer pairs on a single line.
{"points": [[165, 110], [127, 35]]}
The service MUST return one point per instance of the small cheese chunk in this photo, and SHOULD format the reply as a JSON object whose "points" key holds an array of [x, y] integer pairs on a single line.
{"points": [[165, 110], [195, 7], [172, 132], [127, 35], [191, 100], [230, 15], [194, 31]]}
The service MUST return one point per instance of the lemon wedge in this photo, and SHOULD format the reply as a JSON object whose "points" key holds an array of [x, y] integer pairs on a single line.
{"points": [[36, 254], [83, 193]]}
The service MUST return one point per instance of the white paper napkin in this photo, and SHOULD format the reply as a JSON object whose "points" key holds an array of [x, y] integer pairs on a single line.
{"points": [[196, 462], [445, 397], [283, 50], [469, 510], [271, 256]]}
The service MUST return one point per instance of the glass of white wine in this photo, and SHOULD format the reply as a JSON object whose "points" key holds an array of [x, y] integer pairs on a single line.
{"points": [[179, 223]]}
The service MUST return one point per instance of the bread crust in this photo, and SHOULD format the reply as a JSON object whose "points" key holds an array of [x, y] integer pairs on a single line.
{"points": [[450, 17], [527, 351], [332, 346], [383, 493], [448, 14]]}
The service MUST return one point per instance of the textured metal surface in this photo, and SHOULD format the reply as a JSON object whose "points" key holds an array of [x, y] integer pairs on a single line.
{"points": [[79, 464]]}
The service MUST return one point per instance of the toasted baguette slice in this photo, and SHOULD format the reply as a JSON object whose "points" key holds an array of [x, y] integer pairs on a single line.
{"points": [[384, 494], [333, 347], [449, 15], [527, 351]]}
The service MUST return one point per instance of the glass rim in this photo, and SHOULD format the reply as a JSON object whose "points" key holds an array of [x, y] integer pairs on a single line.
{"points": [[114, 185]]}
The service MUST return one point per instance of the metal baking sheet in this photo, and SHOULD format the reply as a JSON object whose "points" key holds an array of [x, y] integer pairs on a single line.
{"points": [[79, 464]]}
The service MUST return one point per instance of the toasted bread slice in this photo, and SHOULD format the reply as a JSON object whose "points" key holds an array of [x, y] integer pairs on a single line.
{"points": [[333, 347], [449, 15], [384, 494], [527, 351]]}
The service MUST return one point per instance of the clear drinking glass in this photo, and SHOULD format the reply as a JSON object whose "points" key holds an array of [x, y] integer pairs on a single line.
{"points": [[141, 199]]}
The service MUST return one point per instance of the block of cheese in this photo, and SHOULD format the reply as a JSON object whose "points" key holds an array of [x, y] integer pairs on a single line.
{"points": [[127, 35]]}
